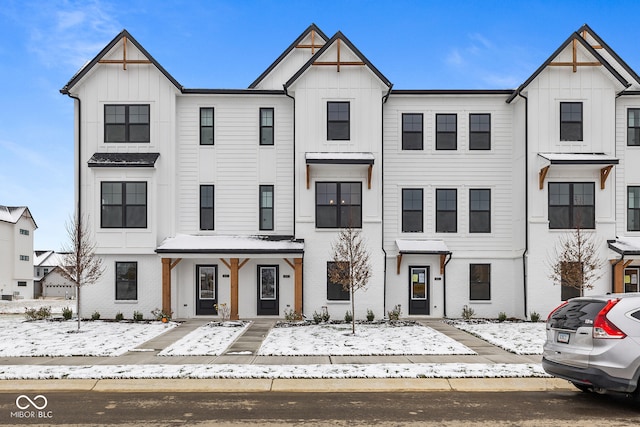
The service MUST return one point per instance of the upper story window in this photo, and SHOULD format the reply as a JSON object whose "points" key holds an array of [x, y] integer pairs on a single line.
{"points": [[412, 135], [266, 207], [633, 208], [266, 126], [446, 211], [206, 126], [412, 210], [479, 131], [571, 121], [446, 132], [123, 205], [633, 126], [338, 204], [126, 123], [206, 207], [479, 210], [24, 232], [338, 117], [571, 205], [24, 257]]}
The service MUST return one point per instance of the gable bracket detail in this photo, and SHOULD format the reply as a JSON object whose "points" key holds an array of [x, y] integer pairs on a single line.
{"points": [[574, 63], [604, 174], [124, 61], [338, 62]]}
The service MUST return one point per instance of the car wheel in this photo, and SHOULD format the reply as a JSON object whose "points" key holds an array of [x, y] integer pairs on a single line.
{"points": [[583, 387]]}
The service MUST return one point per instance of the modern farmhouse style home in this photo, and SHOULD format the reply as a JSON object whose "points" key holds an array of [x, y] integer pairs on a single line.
{"points": [[202, 197]]}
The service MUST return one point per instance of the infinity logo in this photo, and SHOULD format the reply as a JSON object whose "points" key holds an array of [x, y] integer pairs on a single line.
{"points": [[31, 402]]}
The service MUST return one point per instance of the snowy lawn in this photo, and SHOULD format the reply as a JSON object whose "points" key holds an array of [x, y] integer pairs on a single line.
{"points": [[59, 338], [19, 306], [370, 339], [516, 337], [211, 339]]}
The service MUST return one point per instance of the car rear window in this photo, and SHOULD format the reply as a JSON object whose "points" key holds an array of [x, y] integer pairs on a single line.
{"points": [[576, 314]]}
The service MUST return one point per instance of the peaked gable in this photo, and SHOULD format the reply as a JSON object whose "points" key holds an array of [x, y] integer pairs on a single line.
{"points": [[125, 38], [12, 214]]}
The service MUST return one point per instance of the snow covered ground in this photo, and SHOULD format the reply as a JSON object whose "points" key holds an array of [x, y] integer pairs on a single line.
{"points": [[19, 306], [516, 337], [211, 339]]}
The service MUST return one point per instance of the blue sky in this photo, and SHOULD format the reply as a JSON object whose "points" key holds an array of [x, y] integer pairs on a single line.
{"points": [[228, 43]]}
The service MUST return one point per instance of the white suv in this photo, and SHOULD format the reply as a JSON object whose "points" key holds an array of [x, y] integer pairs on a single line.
{"points": [[594, 342]]}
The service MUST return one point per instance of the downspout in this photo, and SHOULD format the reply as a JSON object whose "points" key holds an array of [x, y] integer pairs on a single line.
{"points": [[526, 201], [79, 207], [384, 280], [444, 285]]}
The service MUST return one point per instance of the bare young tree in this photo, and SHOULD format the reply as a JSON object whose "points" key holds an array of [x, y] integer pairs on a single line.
{"points": [[574, 262], [351, 267], [80, 266]]}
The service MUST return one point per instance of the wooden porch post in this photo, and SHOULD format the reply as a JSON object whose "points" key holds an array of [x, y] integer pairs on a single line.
{"points": [[166, 285], [234, 289], [298, 285], [618, 276]]}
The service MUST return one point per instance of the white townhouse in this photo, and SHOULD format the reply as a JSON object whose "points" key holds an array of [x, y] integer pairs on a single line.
{"points": [[16, 248], [201, 197]]}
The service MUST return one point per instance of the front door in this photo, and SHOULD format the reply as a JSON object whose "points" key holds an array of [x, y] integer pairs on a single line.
{"points": [[268, 290], [631, 279], [418, 290], [206, 289]]}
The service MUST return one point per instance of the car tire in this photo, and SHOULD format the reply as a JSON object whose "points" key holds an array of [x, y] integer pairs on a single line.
{"points": [[583, 387]]}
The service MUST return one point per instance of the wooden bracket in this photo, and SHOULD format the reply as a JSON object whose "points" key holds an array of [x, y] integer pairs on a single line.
{"points": [[176, 262], [369, 173], [124, 61], [604, 174], [308, 177], [543, 174], [574, 63], [338, 62], [443, 261], [399, 261], [313, 44]]}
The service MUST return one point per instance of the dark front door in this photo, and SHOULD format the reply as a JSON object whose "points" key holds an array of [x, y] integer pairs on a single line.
{"points": [[206, 289], [418, 290], [268, 290]]}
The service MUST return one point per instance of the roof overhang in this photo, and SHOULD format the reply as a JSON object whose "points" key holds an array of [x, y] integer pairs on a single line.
{"points": [[340, 158], [422, 247], [625, 245], [184, 245], [123, 160], [604, 161]]}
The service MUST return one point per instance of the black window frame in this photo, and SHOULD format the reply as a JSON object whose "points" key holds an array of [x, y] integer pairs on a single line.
{"points": [[127, 125], [633, 212], [339, 210], [264, 127], [266, 212], [568, 122], [22, 283], [409, 131], [441, 133], [479, 216], [479, 137], [574, 211], [409, 210], [335, 291], [24, 232], [334, 126], [120, 281], [633, 127], [125, 206], [202, 127], [443, 213], [207, 213], [479, 282]]}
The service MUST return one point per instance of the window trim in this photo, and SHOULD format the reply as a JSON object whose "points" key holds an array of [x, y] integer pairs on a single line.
{"points": [[444, 132], [479, 132], [263, 127], [127, 124], [472, 211], [629, 128], [455, 230], [478, 282], [262, 210], [635, 209], [213, 207], [411, 132], [405, 210], [347, 121], [212, 126], [338, 194], [124, 205], [342, 294], [24, 232], [581, 122], [571, 205], [116, 281]]}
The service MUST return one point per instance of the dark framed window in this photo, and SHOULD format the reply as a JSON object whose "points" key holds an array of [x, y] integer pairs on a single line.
{"points": [[633, 208], [126, 281], [446, 132], [571, 121], [569, 286], [266, 126], [21, 283], [124, 205], [206, 126], [206, 207], [24, 257], [446, 211], [412, 210], [126, 123], [480, 131], [412, 133], [571, 205], [266, 207], [479, 282], [633, 126], [338, 121], [338, 204], [24, 232], [479, 210], [335, 291]]}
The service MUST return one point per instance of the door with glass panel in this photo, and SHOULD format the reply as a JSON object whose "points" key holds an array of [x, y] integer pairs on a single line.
{"points": [[206, 289], [631, 279], [268, 290], [419, 290]]}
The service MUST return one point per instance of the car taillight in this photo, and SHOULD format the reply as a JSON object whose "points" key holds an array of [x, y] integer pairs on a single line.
{"points": [[556, 309], [603, 327]]}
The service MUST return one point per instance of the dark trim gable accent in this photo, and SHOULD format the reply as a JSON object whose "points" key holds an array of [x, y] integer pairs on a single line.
{"points": [[126, 160], [286, 52], [327, 45], [124, 33], [587, 46]]}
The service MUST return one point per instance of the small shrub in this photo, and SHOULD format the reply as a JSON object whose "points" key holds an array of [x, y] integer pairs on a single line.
{"points": [[223, 311], [67, 313], [467, 312], [137, 316], [535, 317], [502, 316], [348, 317], [119, 316], [40, 314], [317, 317], [326, 316], [395, 313], [370, 315], [161, 315], [95, 315], [292, 316]]}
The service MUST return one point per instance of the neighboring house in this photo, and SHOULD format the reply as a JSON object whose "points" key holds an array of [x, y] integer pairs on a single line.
{"points": [[197, 197], [47, 279], [16, 249]]}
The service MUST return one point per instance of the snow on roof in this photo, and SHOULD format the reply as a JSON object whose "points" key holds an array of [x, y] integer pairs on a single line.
{"points": [[339, 157], [11, 213], [422, 246], [579, 158], [47, 259], [183, 243], [626, 245]]}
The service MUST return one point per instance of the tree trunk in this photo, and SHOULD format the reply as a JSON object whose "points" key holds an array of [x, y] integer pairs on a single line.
{"points": [[78, 305], [353, 312]]}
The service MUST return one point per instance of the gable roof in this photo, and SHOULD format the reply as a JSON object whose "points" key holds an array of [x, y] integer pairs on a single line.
{"points": [[88, 66], [587, 46], [12, 214], [328, 44], [292, 46]]}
